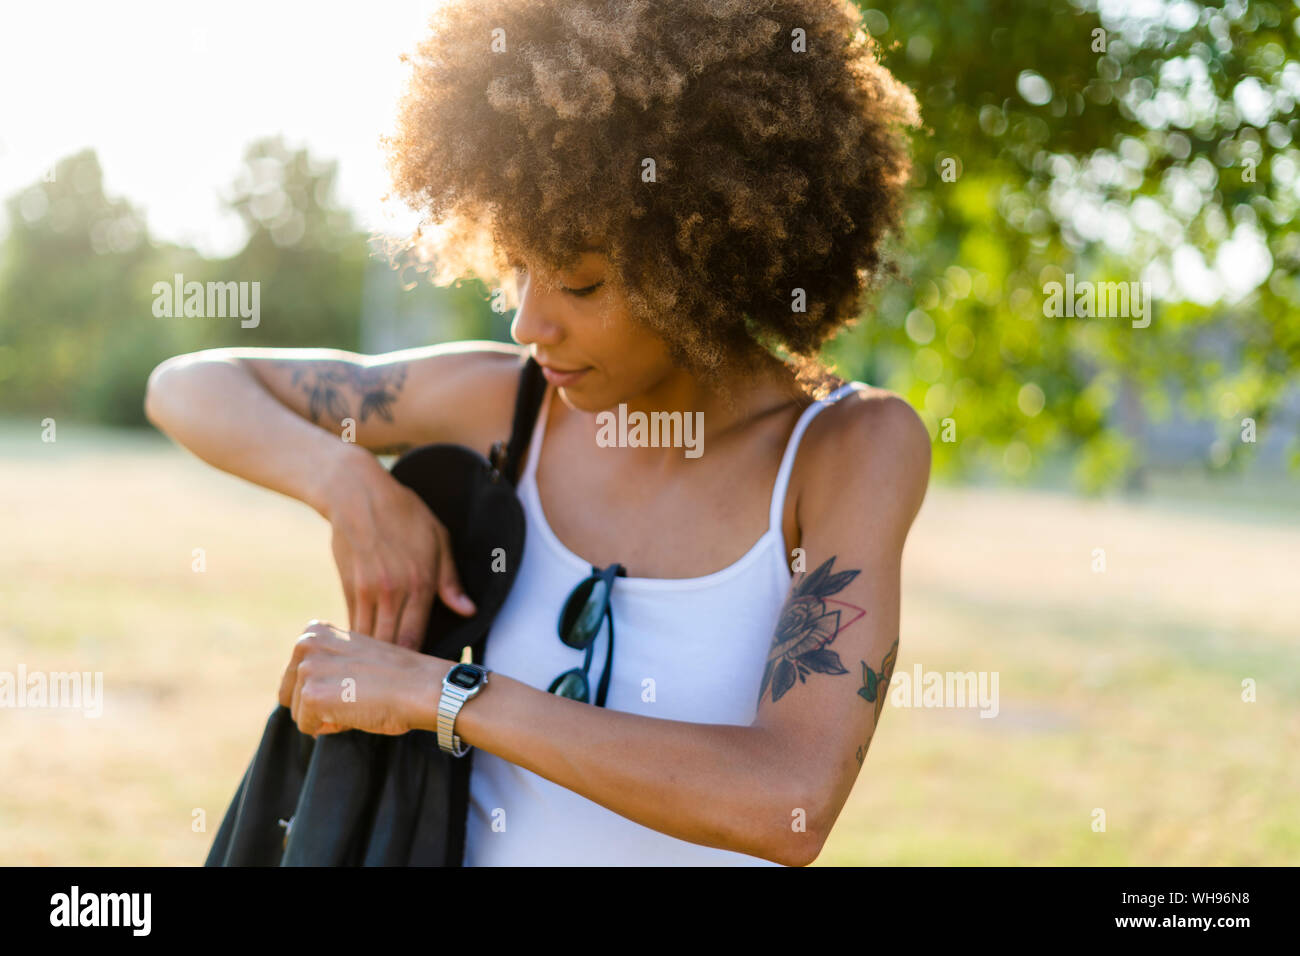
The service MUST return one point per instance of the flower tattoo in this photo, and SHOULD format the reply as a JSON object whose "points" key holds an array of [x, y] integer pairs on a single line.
{"points": [[809, 622], [327, 383]]}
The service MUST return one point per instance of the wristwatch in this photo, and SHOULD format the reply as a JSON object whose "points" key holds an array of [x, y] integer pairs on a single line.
{"points": [[461, 683]]}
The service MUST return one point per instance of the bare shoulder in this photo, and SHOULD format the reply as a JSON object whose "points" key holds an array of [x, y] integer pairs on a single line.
{"points": [[467, 389], [869, 451]]}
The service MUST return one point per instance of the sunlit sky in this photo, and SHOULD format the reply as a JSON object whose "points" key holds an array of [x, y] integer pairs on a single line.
{"points": [[169, 95]]}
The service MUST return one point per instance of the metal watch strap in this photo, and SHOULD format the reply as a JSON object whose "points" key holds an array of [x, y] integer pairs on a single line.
{"points": [[450, 703]]}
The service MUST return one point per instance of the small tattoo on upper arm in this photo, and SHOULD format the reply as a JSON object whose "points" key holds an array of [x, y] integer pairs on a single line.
{"points": [[875, 684], [328, 384], [810, 621]]}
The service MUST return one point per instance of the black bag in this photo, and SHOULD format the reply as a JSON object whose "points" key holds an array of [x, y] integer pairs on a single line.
{"points": [[361, 799]]}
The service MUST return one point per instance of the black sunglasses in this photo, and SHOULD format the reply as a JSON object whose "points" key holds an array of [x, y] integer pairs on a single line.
{"points": [[580, 619]]}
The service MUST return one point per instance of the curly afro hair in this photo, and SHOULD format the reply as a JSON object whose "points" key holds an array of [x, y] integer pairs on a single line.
{"points": [[740, 163]]}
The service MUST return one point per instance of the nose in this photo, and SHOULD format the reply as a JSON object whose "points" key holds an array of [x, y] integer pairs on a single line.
{"points": [[531, 325]]}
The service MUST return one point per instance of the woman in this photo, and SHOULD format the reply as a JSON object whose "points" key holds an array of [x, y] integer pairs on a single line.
{"points": [[691, 197]]}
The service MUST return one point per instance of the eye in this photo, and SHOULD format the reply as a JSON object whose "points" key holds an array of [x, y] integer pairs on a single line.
{"points": [[579, 293]]}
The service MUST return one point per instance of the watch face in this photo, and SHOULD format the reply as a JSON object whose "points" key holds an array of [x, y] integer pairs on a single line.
{"points": [[463, 676]]}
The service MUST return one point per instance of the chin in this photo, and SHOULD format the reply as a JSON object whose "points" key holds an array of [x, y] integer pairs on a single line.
{"points": [[581, 400], [575, 396]]}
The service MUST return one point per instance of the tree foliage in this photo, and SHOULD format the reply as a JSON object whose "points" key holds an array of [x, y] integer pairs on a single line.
{"points": [[1113, 145]]}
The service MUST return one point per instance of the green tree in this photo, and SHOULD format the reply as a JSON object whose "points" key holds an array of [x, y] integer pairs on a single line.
{"points": [[303, 248], [75, 323], [1066, 139]]}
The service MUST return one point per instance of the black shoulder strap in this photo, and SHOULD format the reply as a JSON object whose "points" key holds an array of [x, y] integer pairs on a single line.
{"points": [[505, 457]]}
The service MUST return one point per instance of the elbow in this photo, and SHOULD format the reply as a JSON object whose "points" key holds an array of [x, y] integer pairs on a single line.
{"points": [[802, 833], [800, 849], [152, 393], [795, 818], [162, 380]]}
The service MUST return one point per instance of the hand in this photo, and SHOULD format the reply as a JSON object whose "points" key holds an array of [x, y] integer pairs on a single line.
{"points": [[393, 555], [341, 680]]}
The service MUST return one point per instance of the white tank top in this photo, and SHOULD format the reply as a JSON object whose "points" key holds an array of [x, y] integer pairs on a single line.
{"points": [[702, 641]]}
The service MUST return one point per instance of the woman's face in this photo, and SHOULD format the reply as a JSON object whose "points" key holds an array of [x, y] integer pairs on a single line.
{"points": [[578, 328]]}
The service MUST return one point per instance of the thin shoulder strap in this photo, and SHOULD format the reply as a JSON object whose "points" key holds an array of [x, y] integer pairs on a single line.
{"points": [[792, 447], [532, 387]]}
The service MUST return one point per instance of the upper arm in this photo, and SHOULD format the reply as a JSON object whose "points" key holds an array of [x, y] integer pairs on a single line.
{"points": [[833, 653], [396, 400]]}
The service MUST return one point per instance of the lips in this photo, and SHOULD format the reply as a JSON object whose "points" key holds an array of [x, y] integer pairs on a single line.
{"points": [[562, 377]]}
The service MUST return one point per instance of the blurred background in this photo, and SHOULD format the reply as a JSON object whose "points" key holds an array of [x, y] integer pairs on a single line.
{"points": [[1113, 526]]}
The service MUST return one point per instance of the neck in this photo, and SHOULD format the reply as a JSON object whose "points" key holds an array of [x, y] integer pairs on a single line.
{"points": [[700, 412]]}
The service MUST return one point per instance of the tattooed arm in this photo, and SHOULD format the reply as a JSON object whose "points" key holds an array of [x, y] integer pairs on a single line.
{"points": [[392, 402], [293, 420], [831, 659], [304, 422]]}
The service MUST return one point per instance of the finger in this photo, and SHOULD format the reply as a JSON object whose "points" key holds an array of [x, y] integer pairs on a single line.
{"points": [[325, 638], [304, 711], [310, 716], [449, 588], [308, 720], [415, 618], [287, 681], [365, 622], [296, 697], [350, 596], [319, 708], [297, 673], [290, 676], [386, 618], [343, 561]]}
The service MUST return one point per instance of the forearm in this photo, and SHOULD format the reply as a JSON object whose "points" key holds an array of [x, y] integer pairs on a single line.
{"points": [[218, 410], [712, 784]]}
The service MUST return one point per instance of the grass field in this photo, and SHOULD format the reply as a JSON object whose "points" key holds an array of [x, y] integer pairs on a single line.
{"points": [[1119, 690]]}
